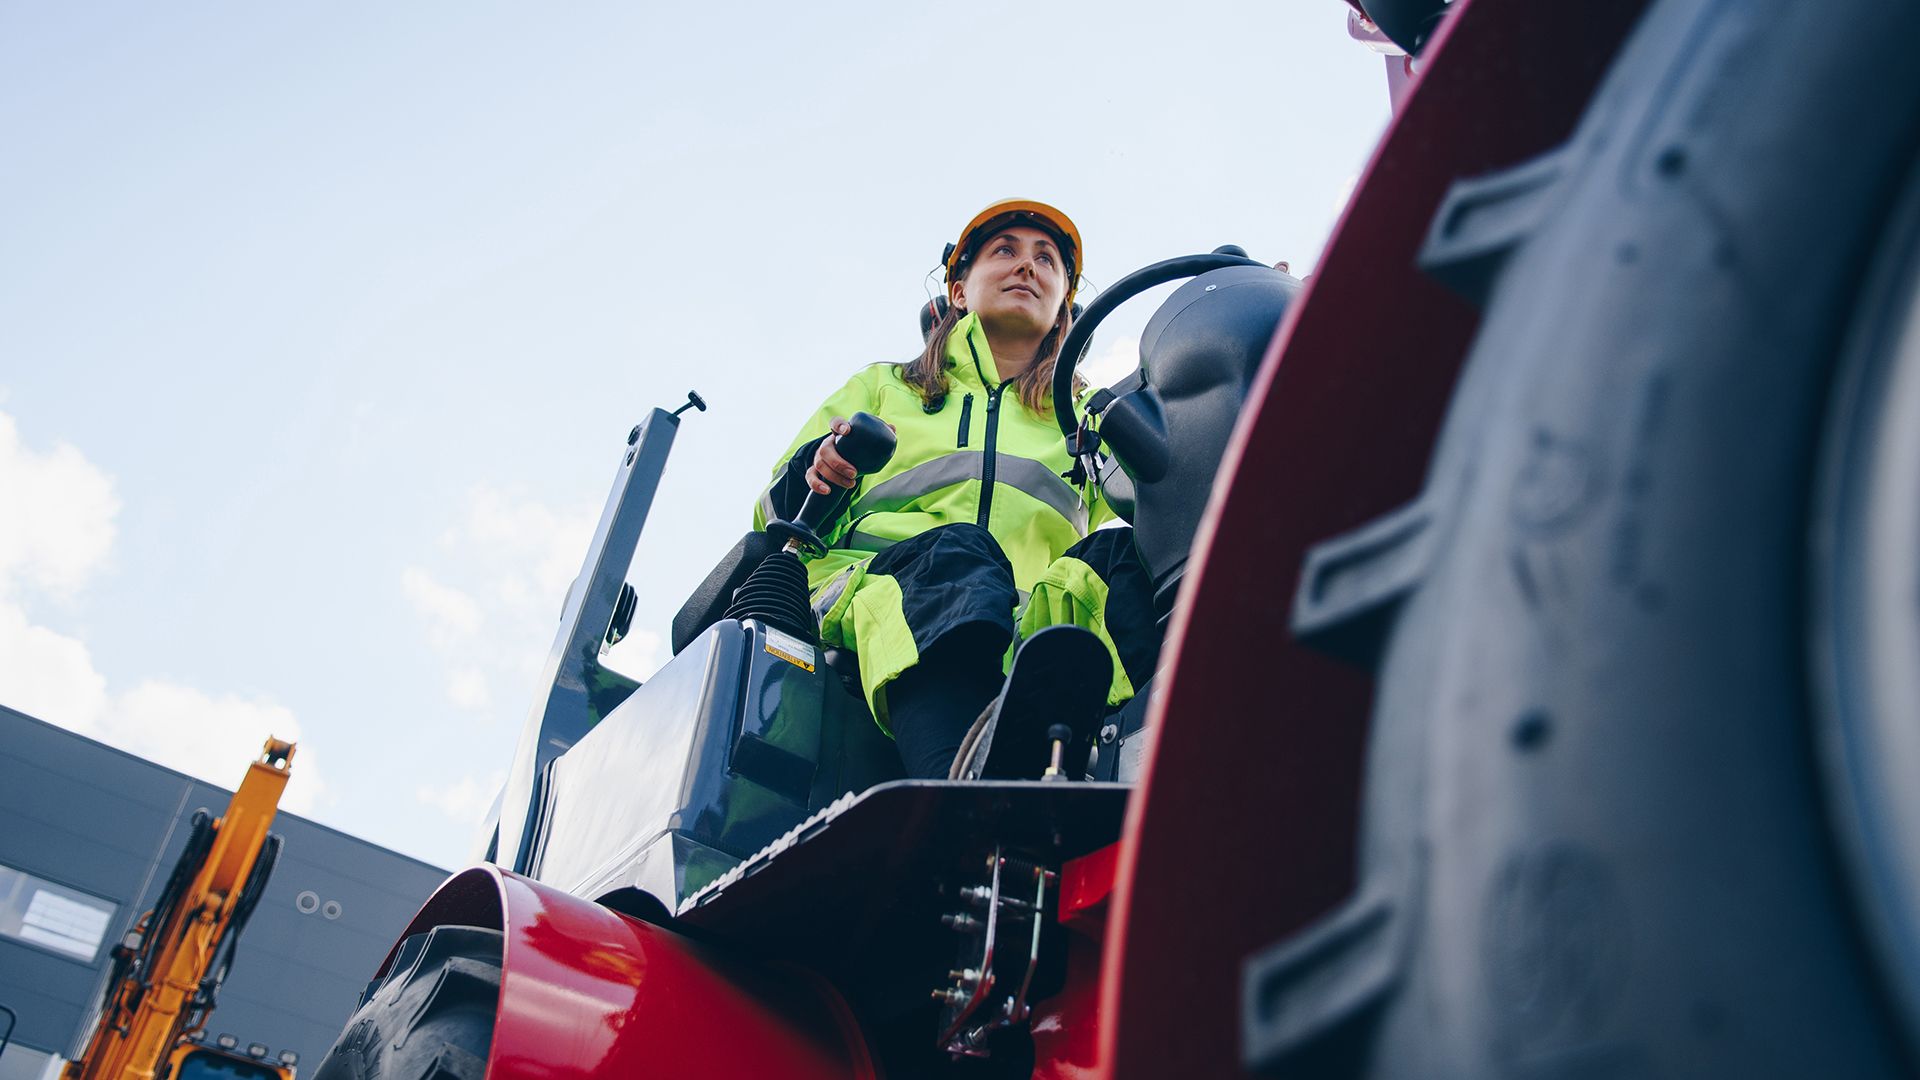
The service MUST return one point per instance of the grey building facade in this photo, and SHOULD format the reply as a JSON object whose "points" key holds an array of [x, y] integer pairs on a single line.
{"points": [[87, 837]]}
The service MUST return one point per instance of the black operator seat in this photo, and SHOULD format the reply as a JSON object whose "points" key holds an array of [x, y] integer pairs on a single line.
{"points": [[1167, 429], [1170, 421], [711, 597]]}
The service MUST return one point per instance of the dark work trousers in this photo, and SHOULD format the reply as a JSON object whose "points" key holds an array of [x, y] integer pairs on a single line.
{"points": [[959, 600]]}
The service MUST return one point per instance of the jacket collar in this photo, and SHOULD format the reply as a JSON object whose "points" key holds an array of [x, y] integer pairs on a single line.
{"points": [[966, 345]]}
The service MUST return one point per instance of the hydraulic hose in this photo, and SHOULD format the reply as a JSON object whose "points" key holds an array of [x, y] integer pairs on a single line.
{"points": [[250, 893], [166, 910]]}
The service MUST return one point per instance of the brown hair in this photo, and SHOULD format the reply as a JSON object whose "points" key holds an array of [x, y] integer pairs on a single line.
{"points": [[927, 372]]}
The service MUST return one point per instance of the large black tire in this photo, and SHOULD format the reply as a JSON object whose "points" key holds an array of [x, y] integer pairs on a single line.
{"points": [[1595, 790], [431, 1018]]}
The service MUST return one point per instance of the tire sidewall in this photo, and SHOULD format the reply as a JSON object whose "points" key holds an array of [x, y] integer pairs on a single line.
{"points": [[1593, 721]]}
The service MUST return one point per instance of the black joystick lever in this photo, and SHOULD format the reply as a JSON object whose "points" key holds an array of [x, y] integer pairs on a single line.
{"points": [[775, 593], [867, 446]]}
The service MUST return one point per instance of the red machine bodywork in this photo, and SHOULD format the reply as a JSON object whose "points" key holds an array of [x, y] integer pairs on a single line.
{"points": [[1245, 827], [1066, 1026], [587, 991]]}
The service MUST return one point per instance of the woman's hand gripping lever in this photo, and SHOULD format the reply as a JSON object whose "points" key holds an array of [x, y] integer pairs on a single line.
{"points": [[776, 592], [861, 444]]}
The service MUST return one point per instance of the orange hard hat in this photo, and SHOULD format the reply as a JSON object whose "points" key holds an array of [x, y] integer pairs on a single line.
{"points": [[1018, 212]]}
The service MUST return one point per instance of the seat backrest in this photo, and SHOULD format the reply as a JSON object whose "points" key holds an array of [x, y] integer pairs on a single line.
{"points": [[1198, 355], [710, 599]]}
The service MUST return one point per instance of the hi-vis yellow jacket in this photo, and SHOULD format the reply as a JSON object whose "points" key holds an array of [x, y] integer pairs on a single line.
{"points": [[982, 458]]}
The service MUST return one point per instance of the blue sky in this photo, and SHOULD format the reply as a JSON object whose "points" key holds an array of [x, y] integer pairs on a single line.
{"points": [[321, 327]]}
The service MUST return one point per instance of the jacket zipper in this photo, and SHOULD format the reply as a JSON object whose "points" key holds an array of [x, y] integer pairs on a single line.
{"points": [[966, 419], [993, 429], [986, 468]]}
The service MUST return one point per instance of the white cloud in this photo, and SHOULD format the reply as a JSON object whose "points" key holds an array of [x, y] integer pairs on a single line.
{"points": [[530, 550], [1115, 361], [452, 616], [47, 674], [51, 677], [491, 594], [58, 531], [466, 800], [212, 738], [59, 515], [639, 653], [467, 688]]}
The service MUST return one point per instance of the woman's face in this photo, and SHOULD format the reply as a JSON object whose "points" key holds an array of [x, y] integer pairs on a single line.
{"points": [[1016, 282]]}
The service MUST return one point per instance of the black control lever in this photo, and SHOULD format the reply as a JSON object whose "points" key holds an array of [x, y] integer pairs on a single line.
{"points": [[867, 446]]}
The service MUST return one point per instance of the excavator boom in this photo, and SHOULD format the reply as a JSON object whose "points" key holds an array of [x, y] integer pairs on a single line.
{"points": [[166, 975]]}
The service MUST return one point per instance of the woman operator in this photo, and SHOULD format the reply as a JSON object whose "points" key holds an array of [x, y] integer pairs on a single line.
{"points": [[969, 533]]}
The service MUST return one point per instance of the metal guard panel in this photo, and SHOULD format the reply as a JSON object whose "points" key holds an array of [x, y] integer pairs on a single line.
{"points": [[627, 782], [586, 991], [579, 692], [668, 868], [721, 753], [839, 870]]}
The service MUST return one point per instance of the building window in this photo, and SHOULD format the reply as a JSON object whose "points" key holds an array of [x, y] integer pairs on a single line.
{"points": [[26, 1063], [51, 916]]}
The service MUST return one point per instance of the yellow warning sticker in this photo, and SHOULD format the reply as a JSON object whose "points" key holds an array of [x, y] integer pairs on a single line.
{"points": [[790, 648]]}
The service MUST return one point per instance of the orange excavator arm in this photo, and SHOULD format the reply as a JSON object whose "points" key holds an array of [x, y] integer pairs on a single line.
{"points": [[166, 975]]}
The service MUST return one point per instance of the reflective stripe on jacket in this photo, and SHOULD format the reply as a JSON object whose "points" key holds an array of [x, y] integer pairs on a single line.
{"points": [[938, 475]]}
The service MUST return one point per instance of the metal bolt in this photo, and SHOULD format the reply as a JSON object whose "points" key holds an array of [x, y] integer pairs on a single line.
{"points": [[964, 976], [1109, 732], [960, 921], [1531, 731], [1059, 735]]}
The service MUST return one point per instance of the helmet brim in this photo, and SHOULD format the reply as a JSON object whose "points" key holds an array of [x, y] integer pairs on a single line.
{"points": [[1008, 212]]}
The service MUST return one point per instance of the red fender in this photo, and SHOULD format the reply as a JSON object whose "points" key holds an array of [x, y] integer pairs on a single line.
{"points": [[1245, 827], [588, 992]]}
